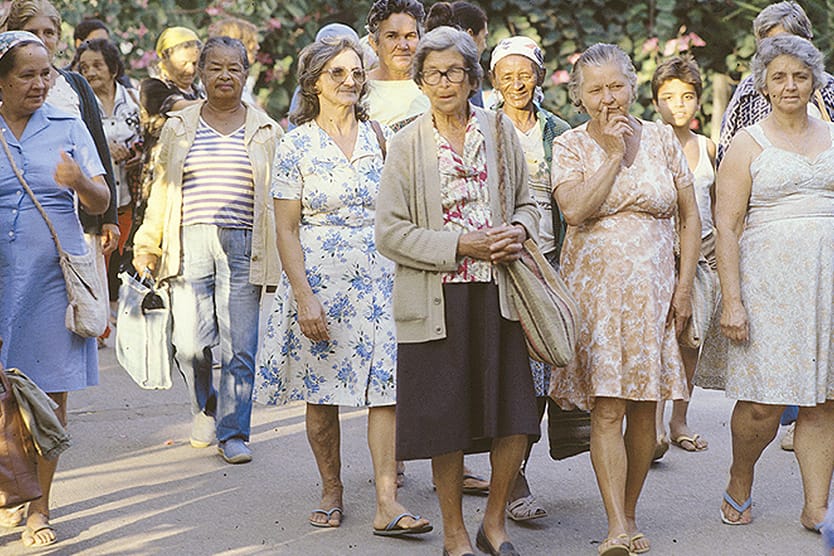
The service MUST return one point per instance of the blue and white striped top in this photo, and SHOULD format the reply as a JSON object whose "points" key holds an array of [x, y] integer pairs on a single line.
{"points": [[217, 182]]}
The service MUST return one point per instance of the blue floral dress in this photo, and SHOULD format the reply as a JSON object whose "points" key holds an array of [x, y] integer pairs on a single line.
{"points": [[353, 282]]}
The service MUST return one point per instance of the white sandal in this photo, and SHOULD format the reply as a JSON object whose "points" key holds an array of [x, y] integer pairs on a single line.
{"points": [[525, 509]]}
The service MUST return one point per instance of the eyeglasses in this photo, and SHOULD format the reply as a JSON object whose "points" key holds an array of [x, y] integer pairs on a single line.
{"points": [[455, 74], [340, 75]]}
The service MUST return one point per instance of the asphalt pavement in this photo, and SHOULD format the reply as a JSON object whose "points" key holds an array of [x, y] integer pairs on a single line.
{"points": [[132, 485]]}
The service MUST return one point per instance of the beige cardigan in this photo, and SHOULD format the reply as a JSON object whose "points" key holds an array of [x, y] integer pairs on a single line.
{"points": [[160, 232], [409, 222]]}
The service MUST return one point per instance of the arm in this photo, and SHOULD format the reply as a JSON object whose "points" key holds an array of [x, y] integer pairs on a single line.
{"points": [[311, 316], [580, 199], [733, 186], [92, 192], [397, 235], [690, 237], [148, 238]]}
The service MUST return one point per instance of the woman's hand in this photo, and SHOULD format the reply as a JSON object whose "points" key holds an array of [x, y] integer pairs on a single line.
{"points": [[145, 264], [734, 321], [475, 245], [614, 128], [312, 319], [681, 309], [110, 236], [68, 173], [506, 243], [119, 152]]}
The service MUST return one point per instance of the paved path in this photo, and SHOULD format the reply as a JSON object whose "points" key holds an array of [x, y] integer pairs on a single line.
{"points": [[132, 485]]}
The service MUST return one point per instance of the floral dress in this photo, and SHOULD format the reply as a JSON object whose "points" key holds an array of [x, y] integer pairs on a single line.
{"points": [[619, 264], [353, 282]]}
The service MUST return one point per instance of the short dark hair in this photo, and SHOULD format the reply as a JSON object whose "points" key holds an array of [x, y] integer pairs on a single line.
{"points": [[109, 51], [7, 61], [87, 26], [223, 42], [383, 9], [678, 67], [463, 15]]}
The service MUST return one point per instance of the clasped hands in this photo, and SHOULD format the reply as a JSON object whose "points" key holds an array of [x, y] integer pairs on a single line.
{"points": [[501, 244]]}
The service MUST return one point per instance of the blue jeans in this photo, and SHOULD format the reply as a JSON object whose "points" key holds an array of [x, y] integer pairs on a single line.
{"points": [[789, 415], [213, 302]]}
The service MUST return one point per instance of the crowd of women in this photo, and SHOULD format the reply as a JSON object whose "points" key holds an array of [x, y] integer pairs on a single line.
{"points": [[387, 251]]}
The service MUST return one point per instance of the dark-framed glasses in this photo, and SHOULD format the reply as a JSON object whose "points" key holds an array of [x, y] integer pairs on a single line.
{"points": [[455, 74], [340, 75]]}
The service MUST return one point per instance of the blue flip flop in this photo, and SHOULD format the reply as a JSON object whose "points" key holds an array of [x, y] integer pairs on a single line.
{"points": [[739, 508], [328, 513], [394, 530]]}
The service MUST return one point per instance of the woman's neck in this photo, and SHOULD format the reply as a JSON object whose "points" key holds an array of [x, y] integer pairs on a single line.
{"points": [[791, 122], [454, 122], [106, 93], [336, 120], [15, 120], [524, 118]]}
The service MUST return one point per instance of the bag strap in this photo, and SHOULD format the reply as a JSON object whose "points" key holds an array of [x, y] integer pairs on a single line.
{"points": [[502, 183], [32, 196], [380, 137]]}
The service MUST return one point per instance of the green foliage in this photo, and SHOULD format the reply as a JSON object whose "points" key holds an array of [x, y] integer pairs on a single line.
{"points": [[648, 31]]}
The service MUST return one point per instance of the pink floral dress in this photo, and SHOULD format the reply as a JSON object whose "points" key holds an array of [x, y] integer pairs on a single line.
{"points": [[620, 266]]}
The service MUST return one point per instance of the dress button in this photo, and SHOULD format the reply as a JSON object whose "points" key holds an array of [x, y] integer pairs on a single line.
{"points": [[437, 301], [11, 234], [254, 258], [14, 211], [438, 329]]}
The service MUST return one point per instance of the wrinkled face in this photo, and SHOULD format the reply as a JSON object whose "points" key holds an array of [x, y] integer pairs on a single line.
{"points": [[92, 66], [398, 40], [516, 77], [604, 87], [45, 30], [677, 103], [789, 83], [340, 84], [25, 87], [181, 65], [223, 74], [445, 96]]}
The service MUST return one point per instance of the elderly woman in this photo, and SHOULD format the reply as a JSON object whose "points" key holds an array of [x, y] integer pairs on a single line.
{"points": [[178, 51], [517, 72], [330, 339], [464, 375], [100, 62], [774, 218], [618, 181], [208, 230], [61, 166]]}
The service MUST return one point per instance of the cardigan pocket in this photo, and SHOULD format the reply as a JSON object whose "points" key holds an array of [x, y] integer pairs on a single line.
{"points": [[410, 294]]}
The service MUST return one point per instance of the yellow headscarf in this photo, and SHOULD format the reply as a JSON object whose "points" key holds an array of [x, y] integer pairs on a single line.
{"points": [[174, 36]]}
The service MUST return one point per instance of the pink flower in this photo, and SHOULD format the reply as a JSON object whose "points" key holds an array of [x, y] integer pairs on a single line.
{"points": [[650, 45], [559, 77], [574, 57], [213, 11], [695, 40], [274, 23]]}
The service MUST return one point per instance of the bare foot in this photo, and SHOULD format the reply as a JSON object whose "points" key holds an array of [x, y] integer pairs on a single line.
{"points": [[330, 512], [38, 532], [683, 437], [812, 520]]}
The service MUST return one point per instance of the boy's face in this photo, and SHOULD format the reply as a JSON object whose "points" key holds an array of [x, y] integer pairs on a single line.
{"points": [[677, 103]]}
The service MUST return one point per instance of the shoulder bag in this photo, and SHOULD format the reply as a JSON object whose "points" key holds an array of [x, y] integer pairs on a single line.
{"points": [[547, 311], [86, 313], [143, 332]]}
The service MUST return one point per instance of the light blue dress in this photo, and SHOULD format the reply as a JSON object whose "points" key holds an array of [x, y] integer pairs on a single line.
{"points": [[351, 279], [33, 298]]}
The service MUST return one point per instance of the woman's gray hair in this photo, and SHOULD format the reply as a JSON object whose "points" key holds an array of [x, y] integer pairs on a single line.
{"points": [[311, 62], [222, 41], [599, 55], [787, 45], [443, 38], [789, 15]]}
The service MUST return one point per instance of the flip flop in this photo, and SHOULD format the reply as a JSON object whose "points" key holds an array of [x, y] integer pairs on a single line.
{"points": [[475, 490], [739, 508], [525, 509], [617, 546], [329, 514], [633, 540], [393, 530], [29, 536], [680, 439]]}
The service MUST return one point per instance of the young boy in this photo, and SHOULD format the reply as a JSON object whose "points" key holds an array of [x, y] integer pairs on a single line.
{"points": [[676, 91]]}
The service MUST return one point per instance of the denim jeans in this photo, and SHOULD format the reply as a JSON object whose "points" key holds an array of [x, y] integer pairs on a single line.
{"points": [[213, 302]]}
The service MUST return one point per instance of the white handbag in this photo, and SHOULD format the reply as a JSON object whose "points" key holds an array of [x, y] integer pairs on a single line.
{"points": [[143, 332]]}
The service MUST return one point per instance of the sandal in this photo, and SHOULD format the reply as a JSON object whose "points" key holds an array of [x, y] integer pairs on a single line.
{"points": [[525, 509], [12, 517], [617, 546], [632, 544], [329, 513], [740, 508]]}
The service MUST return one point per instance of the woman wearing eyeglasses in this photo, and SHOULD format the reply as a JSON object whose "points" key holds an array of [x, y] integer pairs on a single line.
{"points": [[330, 339], [464, 381]]}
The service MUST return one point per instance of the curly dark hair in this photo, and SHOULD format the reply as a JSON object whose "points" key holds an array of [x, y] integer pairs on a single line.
{"points": [[383, 9], [463, 15]]}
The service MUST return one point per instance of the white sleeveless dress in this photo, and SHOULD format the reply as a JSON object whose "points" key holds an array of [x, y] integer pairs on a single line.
{"points": [[787, 283]]}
